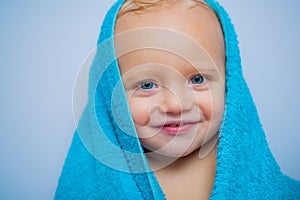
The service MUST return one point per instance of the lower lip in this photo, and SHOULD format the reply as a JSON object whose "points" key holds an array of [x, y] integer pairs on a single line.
{"points": [[180, 130]]}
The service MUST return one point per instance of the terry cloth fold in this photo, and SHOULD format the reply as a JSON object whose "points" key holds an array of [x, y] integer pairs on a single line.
{"points": [[104, 162]]}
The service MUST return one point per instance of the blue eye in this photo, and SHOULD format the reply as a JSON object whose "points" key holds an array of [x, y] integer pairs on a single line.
{"points": [[148, 85], [198, 79]]}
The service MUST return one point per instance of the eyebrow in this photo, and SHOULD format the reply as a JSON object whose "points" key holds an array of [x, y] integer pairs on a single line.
{"points": [[212, 69]]}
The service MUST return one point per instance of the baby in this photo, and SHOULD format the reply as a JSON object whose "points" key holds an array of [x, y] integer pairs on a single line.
{"points": [[169, 114], [177, 103]]}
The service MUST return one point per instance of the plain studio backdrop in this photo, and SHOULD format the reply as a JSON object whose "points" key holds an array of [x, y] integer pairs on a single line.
{"points": [[43, 44]]}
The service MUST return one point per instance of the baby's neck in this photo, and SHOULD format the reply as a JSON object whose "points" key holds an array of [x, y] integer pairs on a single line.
{"points": [[188, 177]]}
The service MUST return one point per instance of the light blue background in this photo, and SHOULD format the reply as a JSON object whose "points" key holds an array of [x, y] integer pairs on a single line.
{"points": [[43, 44]]}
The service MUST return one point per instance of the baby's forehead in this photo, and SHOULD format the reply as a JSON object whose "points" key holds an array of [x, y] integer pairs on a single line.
{"points": [[198, 24], [167, 53]]}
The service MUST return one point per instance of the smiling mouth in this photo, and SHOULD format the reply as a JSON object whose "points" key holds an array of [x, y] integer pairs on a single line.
{"points": [[177, 129], [173, 125]]}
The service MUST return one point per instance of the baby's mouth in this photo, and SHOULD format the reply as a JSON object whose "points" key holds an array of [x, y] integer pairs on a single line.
{"points": [[177, 128], [174, 125]]}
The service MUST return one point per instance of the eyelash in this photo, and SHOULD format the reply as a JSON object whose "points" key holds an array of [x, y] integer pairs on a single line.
{"points": [[141, 85], [202, 78]]}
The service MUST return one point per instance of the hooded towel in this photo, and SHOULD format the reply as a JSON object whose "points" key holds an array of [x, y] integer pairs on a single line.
{"points": [[105, 162]]}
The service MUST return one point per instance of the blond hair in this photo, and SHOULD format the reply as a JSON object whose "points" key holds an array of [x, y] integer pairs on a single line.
{"points": [[138, 6]]}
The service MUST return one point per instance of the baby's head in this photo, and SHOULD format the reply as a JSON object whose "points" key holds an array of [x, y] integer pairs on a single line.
{"points": [[171, 56]]}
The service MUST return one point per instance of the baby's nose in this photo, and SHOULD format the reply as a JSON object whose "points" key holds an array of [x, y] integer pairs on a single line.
{"points": [[177, 100]]}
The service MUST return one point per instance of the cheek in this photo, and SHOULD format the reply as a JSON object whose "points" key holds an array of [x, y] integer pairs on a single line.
{"points": [[212, 105], [218, 99], [140, 109]]}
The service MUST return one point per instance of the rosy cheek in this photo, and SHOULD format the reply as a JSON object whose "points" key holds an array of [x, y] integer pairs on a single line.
{"points": [[205, 104], [140, 109], [217, 106], [211, 105]]}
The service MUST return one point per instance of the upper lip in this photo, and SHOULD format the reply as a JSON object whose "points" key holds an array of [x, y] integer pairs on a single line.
{"points": [[177, 122]]}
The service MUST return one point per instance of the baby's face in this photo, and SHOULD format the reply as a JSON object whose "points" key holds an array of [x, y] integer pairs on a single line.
{"points": [[175, 92]]}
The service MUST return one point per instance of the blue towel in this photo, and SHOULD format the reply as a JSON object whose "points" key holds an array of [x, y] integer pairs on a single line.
{"points": [[104, 162]]}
